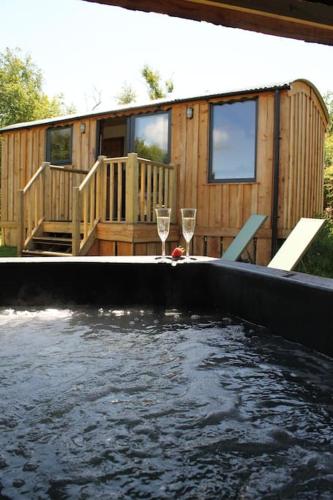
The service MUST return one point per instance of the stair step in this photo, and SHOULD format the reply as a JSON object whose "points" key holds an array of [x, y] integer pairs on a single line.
{"points": [[52, 239], [43, 253]]}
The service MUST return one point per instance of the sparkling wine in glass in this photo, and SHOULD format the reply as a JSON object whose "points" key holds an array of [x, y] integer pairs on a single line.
{"points": [[188, 226], [163, 225]]}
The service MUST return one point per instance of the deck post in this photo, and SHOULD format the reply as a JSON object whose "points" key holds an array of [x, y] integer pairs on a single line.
{"points": [[101, 188], [76, 219], [20, 222], [132, 188], [173, 194], [47, 190]]}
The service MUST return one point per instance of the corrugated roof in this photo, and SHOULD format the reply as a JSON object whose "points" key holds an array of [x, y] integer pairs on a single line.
{"points": [[146, 105]]}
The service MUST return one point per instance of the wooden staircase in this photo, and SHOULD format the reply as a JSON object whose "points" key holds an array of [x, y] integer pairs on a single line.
{"points": [[49, 245]]}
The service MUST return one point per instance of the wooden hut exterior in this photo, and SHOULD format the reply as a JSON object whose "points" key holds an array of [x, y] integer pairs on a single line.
{"points": [[78, 176]]}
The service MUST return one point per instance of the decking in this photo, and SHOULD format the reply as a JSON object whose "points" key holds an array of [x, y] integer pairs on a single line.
{"points": [[64, 211]]}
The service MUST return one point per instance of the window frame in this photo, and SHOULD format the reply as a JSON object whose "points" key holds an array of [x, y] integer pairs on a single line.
{"points": [[132, 130], [234, 180], [48, 145]]}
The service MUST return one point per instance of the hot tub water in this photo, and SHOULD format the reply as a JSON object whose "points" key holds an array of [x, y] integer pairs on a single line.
{"points": [[115, 403]]}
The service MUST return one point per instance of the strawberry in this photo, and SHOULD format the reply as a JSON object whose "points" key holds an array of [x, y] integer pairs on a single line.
{"points": [[177, 252]]}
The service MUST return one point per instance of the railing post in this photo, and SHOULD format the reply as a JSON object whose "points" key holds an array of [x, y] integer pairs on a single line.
{"points": [[173, 194], [76, 220], [20, 221], [47, 190], [100, 189], [132, 188]]}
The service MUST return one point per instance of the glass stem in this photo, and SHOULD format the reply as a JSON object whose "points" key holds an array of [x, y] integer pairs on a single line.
{"points": [[187, 249], [163, 248]]}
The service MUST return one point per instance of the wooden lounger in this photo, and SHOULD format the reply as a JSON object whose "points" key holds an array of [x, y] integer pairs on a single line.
{"points": [[296, 244], [244, 237]]}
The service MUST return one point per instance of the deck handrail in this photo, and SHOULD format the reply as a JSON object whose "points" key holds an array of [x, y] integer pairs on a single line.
{"points": [[85, 206], [157, 163], [43, 198], [31, 207], [35, 177], [68, 170], [91, 173]]}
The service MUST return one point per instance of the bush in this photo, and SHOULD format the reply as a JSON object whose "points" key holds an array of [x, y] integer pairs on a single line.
{"points": [[328, 187], [318, 260]]}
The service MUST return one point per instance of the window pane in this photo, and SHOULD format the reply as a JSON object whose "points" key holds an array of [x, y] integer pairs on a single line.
{"points": [[60, 145], [234, 141], [151, 137]]}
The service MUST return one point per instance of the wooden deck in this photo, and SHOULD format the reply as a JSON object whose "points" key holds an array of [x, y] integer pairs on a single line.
{"points": [[111, 211]]}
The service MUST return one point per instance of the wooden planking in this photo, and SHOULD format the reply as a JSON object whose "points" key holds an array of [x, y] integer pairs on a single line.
{"points": [[178, 153], [265, 155], [301, 189], [213, 246], [94, 250], [202, 176], [124, 249], [107, 247], [284, 166], [4, 178], [192, 153]]}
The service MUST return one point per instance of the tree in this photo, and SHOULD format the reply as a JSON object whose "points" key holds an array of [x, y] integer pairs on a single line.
{"points": [[21, 94], [126, 95], [328, 98], [153, 81], [151, 152]]}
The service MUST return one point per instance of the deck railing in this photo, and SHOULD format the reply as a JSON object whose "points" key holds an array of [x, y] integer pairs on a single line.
{"points": [[47, 196], [125, 189]]}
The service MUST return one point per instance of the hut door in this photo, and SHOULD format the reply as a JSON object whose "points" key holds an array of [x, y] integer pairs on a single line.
{"points": [[112, 137], [113, 147]]}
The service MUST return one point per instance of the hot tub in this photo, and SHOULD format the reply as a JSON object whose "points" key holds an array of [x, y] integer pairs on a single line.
{"points": [[128, 379]]}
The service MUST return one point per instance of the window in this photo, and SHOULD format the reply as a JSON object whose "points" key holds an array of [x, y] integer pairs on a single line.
{"points": [[59, 145], [151, 136], [233, 141]]}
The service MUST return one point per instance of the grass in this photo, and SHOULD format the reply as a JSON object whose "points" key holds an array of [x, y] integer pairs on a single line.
{"points": [[8, 251], [319, 258]]}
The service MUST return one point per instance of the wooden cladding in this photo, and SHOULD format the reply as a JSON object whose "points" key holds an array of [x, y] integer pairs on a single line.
{"points": [[303, 126]]}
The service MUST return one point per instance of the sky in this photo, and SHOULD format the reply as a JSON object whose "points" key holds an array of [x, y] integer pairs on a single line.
{"points": [[88, 50]]}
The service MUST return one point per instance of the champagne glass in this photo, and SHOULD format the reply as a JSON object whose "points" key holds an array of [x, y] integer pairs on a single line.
{"points": [[188, 225], [163, 225]]}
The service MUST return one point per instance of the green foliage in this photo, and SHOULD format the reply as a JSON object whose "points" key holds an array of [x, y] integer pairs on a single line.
{"points": [[21, 95], [153, 81], [328, 98], [328, 187], [126, 95], [8, 251], [328, 161], [319, 258], [152, 152]]}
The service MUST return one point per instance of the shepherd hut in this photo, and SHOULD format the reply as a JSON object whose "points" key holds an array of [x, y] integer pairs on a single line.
{"points": [[88, 184]]}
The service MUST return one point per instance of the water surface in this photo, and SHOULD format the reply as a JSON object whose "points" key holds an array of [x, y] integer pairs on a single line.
{"points": [[139, 404]]}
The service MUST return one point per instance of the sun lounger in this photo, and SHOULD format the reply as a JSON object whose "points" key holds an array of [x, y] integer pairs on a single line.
{"points": [[296, 244], [243, 238]]}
